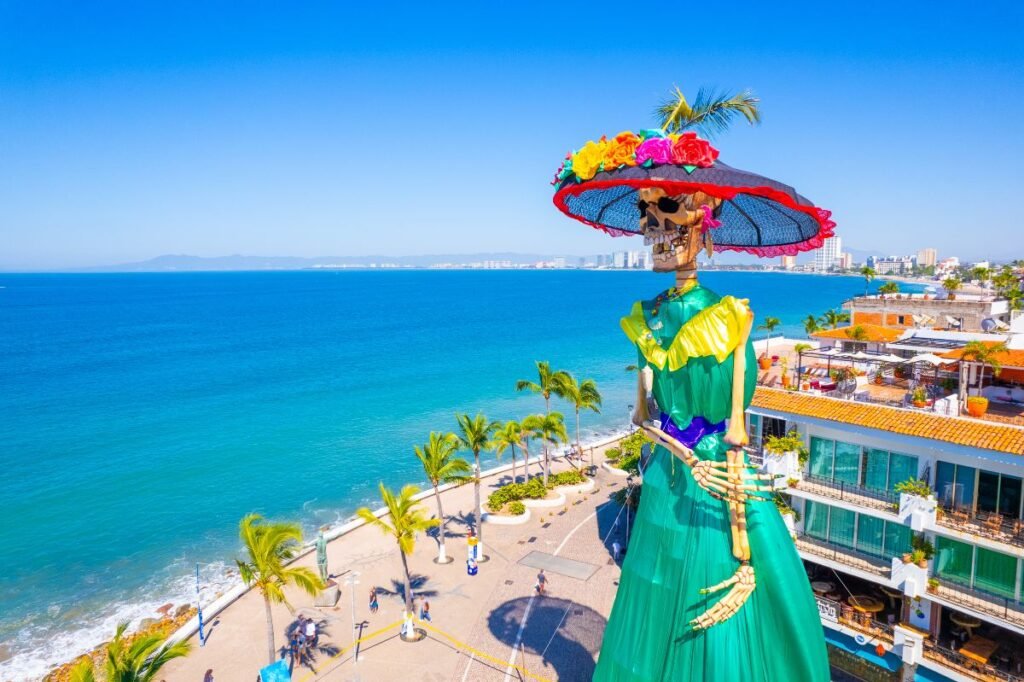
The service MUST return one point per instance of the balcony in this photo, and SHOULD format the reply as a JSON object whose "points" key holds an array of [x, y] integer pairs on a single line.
{"points": [[859, 621], [999, 607], [844, 555], [883, 500], [988, 525], [963, 665]]}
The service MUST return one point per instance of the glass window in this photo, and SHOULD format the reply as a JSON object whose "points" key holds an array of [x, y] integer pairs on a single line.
{"points": [[816, 520], [1009, 496], [876, 469], [897, 540], [841, 526], [953, 560], [821, 457], [754, 429], [965, 485], [870, 532], [995, 573], [847, 466], [945, 482], [901, 467], [988, 491]]}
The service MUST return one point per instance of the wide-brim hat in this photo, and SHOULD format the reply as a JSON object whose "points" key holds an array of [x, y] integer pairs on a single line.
{"points": [[599, 185]]}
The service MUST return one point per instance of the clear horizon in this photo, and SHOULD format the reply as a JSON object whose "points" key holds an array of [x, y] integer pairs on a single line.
{"points": [[129, 132]]}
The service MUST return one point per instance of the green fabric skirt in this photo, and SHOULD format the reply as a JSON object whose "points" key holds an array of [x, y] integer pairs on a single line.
{"points": [[681, 543]]}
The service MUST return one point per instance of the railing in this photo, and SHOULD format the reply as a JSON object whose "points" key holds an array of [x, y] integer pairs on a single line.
{"points": [[1002, 607], [843, 555], [965, 666], [840, 490], [857, 620], [992, 526]]}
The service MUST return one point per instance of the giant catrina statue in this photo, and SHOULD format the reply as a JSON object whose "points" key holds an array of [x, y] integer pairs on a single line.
{"points": [[712, 587]]}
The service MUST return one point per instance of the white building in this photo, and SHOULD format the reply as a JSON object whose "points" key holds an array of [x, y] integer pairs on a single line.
{"points": [[619, 259], [892, 265], [927, 258], [825, 258], [788, 262]]}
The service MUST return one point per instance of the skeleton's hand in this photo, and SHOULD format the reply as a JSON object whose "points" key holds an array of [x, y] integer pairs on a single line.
{"points": [[742, 586], [736, 485]]}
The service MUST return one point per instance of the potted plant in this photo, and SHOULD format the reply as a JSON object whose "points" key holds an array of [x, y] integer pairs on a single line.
{"points": [[907, 557], [933, 584], [977, 405], [770, 323], [764, 362], [917, 557], [922, 550], [785, 373], [951, 284], [919, 398]]}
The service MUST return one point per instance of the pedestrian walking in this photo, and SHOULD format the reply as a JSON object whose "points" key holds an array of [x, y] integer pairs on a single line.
{"points": [[373, 600], [208, 677], [542, 582], [311, 632], [425, 611]]}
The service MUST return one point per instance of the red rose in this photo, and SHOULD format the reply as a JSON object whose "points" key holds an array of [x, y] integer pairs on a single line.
{"points": [[690, 150]]}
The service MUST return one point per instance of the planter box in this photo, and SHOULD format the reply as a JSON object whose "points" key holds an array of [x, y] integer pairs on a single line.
{"points": [[557, 501], [918, 512], [576, 488], [790, 520], [910, 578], [786, 464], [506, 520], [614, 471]]}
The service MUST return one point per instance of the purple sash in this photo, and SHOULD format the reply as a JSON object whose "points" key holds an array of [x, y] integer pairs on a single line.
{"points": [[691, 435]]}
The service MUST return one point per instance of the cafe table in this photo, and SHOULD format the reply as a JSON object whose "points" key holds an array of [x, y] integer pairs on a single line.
{"points": [[965, 621], [979, 649]]}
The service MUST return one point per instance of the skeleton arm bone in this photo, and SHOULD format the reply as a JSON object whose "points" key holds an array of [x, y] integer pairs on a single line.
{"points": [[737, 433]]}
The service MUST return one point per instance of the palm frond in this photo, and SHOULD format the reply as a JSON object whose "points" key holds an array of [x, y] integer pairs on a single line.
{"points": [[83, 671], [711, 113]]}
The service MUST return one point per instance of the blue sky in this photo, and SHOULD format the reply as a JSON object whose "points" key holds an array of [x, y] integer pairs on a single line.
{"points": [[129, 130]]}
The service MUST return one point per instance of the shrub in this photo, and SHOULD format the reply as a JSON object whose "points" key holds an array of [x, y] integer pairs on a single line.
{"points": [[782, 503], [914, 486], [570, 477], [921, 544], [612, 454], [619, 496], [517, 508], [777, 445], [533, 490]]}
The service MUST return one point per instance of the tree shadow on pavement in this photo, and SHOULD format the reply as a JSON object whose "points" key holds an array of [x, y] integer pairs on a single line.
{"points": [[416, 581], [566, 635]]}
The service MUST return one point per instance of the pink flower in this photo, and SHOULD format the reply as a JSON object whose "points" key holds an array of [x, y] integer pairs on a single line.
{"points": [[656, 149]]}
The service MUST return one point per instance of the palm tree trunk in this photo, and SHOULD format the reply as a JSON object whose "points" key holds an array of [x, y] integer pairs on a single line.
{"points": [[271, 649], [440, 517], [526, 459], [547, 464], [513, 463], [477, 512], [408, 581]]}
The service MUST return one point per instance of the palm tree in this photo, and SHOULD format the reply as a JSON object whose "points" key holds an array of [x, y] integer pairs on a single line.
{"points": [[530, 426], [857, 333], [407, 519], [983, 275], [769, 325], [811, 324], [985, 355], [548, 382], [475, 435], [711, 112], [270, 546], [889, 288], [440, 463], [551, 430], [136, 659], [952, 285], [507, 437], [582, 396], [833, 318], [868, 273]]}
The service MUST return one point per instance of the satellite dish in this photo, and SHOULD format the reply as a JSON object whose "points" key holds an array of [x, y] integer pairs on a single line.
{"points": [[988, 325]]}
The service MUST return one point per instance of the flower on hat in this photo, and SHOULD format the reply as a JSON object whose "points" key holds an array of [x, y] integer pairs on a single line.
{"points": [[621, 150], [690, 150], [587, 161], [654, 149]]}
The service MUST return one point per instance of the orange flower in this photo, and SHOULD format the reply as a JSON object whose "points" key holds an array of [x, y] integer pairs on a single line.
{"points": [[621, 150]]}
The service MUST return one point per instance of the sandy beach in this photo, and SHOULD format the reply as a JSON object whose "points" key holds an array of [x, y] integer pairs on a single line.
{"points": [[477, 618]]}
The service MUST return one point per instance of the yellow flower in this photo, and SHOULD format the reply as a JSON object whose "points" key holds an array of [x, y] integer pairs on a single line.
{"points": [[588, 159]]}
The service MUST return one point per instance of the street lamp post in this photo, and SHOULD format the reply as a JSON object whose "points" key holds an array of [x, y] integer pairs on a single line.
{"points": [[352, 582]]}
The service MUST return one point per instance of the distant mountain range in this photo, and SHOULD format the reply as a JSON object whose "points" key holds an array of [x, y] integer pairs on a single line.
{"points": [[186, 263]]}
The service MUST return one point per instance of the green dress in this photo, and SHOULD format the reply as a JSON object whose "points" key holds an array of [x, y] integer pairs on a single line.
{"points": [[681, 541]]}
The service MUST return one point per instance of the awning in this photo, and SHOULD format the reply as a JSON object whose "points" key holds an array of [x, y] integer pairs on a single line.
{"points": [[930, 358]]}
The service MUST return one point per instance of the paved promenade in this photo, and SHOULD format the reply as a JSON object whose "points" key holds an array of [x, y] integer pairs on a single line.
{"points": [[482, 625]]}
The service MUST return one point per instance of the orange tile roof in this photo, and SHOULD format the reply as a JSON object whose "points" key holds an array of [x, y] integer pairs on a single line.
{"points": [[1012, 357], [973, 433], [876, 333]]}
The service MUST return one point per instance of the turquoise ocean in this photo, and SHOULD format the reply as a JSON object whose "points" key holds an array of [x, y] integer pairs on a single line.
{"points": [[141, 415]]}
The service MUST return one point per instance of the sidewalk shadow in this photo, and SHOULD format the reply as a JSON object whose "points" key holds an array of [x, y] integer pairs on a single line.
{"points": [[570, 650], [416, 581], [312, 653]]}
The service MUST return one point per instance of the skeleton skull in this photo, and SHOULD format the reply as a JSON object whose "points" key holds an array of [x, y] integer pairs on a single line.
{"points": [[672, 225]]}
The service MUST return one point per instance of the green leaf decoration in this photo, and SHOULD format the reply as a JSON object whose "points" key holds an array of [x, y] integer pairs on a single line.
{"points": [[688, 168]]}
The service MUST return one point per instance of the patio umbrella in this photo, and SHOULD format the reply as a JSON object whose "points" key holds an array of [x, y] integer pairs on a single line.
{"points": [[930, 358], [599, 185]]}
